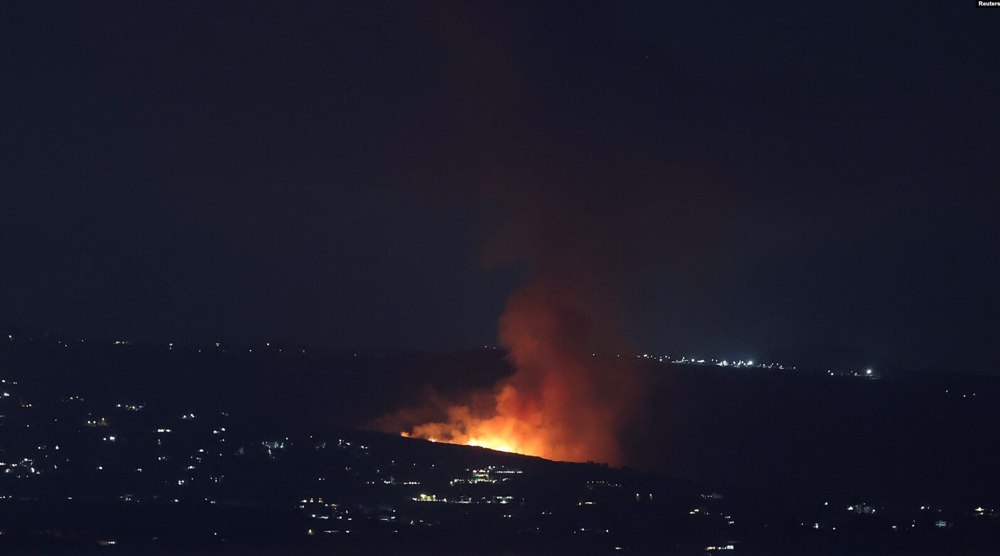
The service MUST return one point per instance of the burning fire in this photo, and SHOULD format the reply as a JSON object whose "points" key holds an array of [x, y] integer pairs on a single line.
{"points": [[500, 432], [561, 403], [493, 442]]}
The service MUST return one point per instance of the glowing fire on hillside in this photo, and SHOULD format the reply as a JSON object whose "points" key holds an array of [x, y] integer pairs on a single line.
{"points": [[561, 402], [497, 443], [504, 432]]}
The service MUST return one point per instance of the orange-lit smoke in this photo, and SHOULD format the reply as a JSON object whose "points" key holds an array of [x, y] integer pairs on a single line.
{"points": [[562, 402], [566, 399], [569, 396]]}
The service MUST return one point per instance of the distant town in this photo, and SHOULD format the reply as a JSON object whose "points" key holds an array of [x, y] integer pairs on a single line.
{"points": [[120, 474]]}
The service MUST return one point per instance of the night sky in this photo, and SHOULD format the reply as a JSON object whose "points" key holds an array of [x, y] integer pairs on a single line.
{"points": [[749, 178]]}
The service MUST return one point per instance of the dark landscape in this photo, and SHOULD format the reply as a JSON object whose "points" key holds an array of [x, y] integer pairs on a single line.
{"points": [[150, 466], [499, 278]]}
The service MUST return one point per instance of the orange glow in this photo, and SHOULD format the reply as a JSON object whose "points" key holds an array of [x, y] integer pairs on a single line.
{"points": [[500, 432], [531, 432], [561, 403], [492, 442]]}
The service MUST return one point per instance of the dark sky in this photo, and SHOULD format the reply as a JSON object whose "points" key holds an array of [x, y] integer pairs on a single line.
{"points": [[770, 177]]}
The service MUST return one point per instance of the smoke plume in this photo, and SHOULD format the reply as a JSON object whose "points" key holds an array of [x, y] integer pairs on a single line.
{"points": [[570, 393]]}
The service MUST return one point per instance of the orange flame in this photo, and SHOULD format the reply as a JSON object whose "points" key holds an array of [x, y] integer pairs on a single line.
{"points": [[499, 432], [561, 403]]}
